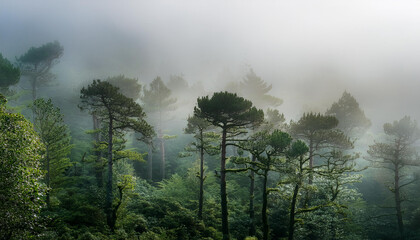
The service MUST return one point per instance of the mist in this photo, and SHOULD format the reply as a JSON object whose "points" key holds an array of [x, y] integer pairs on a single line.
{"points": [[310, 51]]}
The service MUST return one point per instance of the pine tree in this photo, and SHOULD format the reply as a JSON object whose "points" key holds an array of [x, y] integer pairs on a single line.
{"points": [[9, 75], [397, 153], [118, 113], [157, 100], [204, 143], [233, 115], [268, 149], [319, 132], [37, 62], [55, 136], [351, 118]]}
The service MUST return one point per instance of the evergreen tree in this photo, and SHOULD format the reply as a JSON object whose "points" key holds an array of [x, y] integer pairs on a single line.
{"points": [[232, 114], [252, 87], [204, 139], [320, 133], [296, 158], [118, 113], [37, 62], [55, 136], [21, 191], [130, 87], [397, 153], [269, 149], [157, 100], [9, 75], [351, 118]]}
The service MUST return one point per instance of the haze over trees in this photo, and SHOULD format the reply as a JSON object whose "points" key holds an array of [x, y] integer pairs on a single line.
{"points": [[37, 62], [310, 132], [9, 75], [398, 155], [157, 102]]}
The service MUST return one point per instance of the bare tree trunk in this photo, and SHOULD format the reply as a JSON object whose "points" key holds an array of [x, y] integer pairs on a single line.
{"points": [[252, 229], [223, 194]]}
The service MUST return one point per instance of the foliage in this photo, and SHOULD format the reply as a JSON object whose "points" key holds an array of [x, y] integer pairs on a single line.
{"points": [[157, 98], [397, 153], [232, 114], [21, 191], [119, 113], [254, 88], [55, 136], [351, 118], [227, 110], [37, 62], [9, 74], [127, 86]]}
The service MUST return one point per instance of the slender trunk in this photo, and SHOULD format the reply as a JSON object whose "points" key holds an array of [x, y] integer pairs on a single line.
{"points": [[117, 206], [163, 162], [311, 159], [47, 161], [162, 147], [200, 199], [252, 230], [292, 212], [223, 194], [264, 207], [33, 86], [98, 153], [398, 201], [109, 181], [294, 200], [150, 161]]}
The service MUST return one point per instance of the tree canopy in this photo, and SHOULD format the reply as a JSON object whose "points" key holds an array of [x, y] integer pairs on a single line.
{"points": [[21, 190], [350, 116], [9, 74]]}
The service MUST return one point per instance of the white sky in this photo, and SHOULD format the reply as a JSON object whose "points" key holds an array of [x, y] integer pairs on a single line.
{"points": [[311, 51]]}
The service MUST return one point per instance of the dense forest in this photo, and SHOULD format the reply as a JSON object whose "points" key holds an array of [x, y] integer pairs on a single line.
{"points": [[118, 159], [199, 120]]}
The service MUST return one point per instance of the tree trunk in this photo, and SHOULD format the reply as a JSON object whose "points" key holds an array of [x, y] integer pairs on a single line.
{"points": [[47, 162], [264, 207], [252, 230], [163, 161], [98, 153], [223, 194], [398, 201], [311, 160], [201, 196], [292, 212], [33, 86], [108, 204], [294, 200], [150, 161]]}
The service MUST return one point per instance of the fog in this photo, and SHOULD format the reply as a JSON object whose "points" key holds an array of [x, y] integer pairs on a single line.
{"points": [[310, 51]]}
